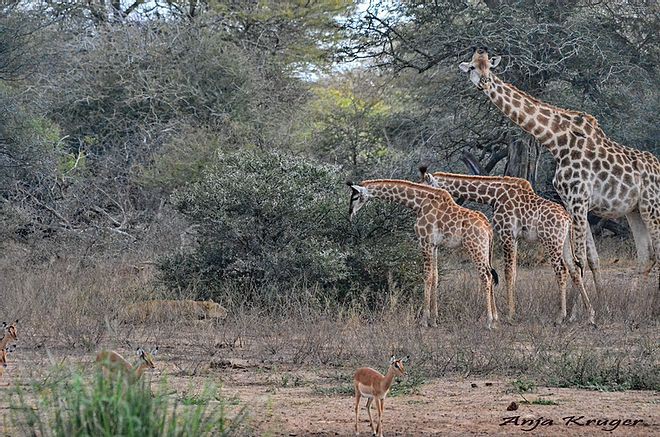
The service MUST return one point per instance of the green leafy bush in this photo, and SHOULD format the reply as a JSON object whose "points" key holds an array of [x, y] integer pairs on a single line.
{"points": [[269, 221]]}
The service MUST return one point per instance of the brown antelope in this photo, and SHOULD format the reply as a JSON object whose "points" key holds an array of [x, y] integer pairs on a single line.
{"points": [[10, 334], [3, 357], [113, 361], [373, 385]]}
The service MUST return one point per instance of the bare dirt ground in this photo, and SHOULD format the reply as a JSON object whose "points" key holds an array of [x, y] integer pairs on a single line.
{"points": [[311, 397], [446, 406], [290, 401]]}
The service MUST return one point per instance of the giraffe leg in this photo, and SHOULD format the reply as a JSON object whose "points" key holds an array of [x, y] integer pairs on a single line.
{"points": [[554, 250], [478, 250], [487, 289], [357, 408], [430, 266], [642, 238], [649, 208], [434, 289], [594, 263], [578, 210], [510, 247], [578, 282]]}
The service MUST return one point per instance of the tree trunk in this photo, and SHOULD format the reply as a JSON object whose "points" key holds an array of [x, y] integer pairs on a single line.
{"points": [[524, 157]]}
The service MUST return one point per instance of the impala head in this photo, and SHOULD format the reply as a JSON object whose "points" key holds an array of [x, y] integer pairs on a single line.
{"points": [[359, 197], [397, 365], [147, 358], [3, 355], [428, 178], [10, 330], [479, 68]]}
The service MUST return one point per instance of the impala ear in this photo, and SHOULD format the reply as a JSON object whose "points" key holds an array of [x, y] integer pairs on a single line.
{"points": [[139, 352], [495, 61], [392, 359], [154, 351]]}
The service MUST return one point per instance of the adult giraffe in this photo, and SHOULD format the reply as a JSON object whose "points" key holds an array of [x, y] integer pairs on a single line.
{"points": [[594, 173]]}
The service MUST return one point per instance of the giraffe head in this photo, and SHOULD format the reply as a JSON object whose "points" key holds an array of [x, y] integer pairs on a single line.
{"points": [[359, 197], [479, 68], [428, 178]]}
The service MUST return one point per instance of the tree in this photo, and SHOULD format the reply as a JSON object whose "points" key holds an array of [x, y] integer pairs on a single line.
{"points": [[599, 57]]}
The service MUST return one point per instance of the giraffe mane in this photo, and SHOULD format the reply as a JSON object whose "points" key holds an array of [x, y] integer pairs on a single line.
{"points": [[520, 182], [439, 192], [575, 114]]}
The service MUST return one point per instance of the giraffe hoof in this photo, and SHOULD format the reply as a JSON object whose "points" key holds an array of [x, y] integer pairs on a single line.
{"points": [[492, 326]]}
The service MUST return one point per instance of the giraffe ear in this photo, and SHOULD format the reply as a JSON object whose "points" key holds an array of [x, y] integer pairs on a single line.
{"points": [[495, 61], [360, 190], [464, 66]]}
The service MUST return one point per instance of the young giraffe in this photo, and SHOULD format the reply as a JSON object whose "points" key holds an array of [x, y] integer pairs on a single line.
{"points": [[440, 222], [594, 173], [519, 212]]}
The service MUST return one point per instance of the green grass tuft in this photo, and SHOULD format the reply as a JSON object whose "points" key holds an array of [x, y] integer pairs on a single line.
{"points": [[108, 407]]}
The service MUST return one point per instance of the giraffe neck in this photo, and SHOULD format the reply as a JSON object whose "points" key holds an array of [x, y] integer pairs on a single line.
{"points": [[408, 194], [553, 127], [480, 189]]}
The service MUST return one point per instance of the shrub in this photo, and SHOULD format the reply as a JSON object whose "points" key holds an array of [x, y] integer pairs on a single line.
{"points": [[270, 220]]}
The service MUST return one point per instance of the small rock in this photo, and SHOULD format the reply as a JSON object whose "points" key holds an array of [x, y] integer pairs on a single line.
{"points": [[488, 384], [474, 385], [512, 407]]}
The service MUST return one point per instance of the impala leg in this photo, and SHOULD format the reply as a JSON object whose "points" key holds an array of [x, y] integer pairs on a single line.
{"points": [[357, 408], [380, 406], [371, 422]]}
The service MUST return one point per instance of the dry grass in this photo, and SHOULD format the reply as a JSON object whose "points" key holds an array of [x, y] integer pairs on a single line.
{"points": [[71, 310]]}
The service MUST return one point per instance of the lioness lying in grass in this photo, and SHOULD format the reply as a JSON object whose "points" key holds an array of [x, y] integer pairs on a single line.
{"points": [[169, 310]]}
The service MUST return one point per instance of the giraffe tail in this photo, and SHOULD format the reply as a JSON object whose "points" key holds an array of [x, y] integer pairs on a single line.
{"points": [[493, 272], [571, 248], [496, 277]]}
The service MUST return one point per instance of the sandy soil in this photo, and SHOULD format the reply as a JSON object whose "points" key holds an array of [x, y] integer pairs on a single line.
{"points": [[441, 407], [289, 401]]}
